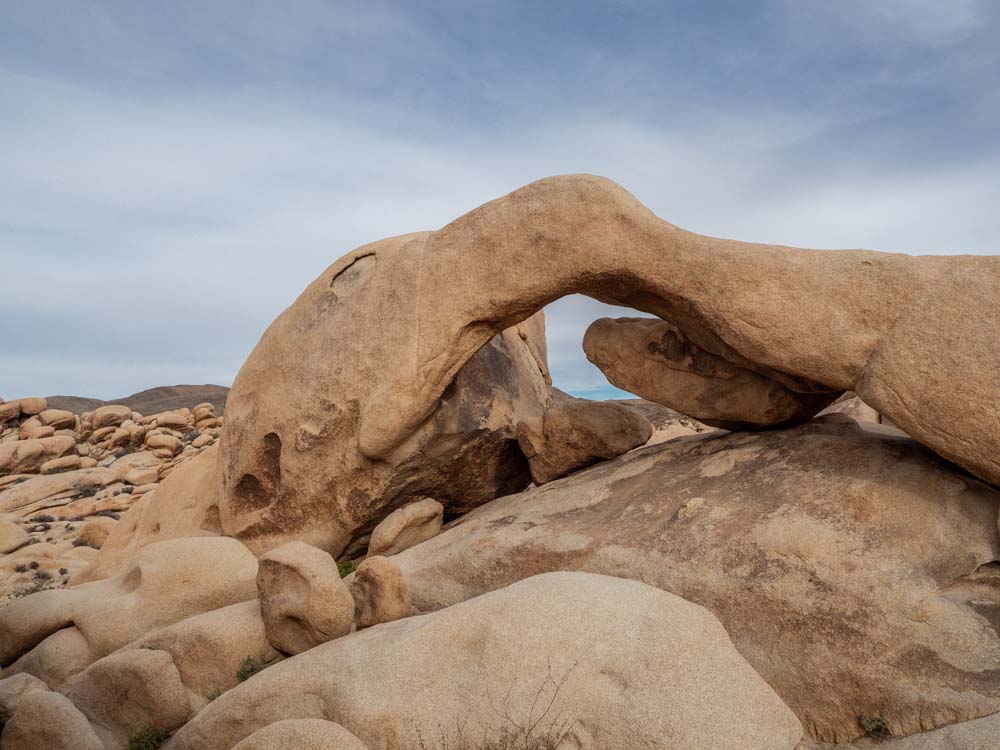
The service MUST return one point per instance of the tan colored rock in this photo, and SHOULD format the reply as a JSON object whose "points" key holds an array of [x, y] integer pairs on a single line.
{"points": [[142, 489], [167, 582], [9, 411], [566, 640], [301, 734], [27, 456], [32, 406], [209, 649], [13, 689], [406, 526], [163, 442], [185, 505], [96, 530], [850, 566], [463, 454], [303, 600], [203, 410], [130, 691], [575, 433], [380, 593], [378, 338], [49, 721], [143, 475], [12, 536], [38, 490], [58, 465], [171, 420], [33, 429], [202, 440], [59, 419], [978, 734], [109, 416], [656, 360]]}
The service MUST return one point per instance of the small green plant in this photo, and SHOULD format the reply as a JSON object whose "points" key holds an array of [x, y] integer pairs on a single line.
{"points": [[248, 668], [147, 739], [874, 726], [346, 567], [214, 693]]}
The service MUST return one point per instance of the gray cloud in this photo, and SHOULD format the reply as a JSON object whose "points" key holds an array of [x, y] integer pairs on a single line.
{"points": [[174, 178]]}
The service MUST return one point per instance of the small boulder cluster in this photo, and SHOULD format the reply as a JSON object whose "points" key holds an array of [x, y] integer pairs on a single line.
{"points": [[65, 480]]}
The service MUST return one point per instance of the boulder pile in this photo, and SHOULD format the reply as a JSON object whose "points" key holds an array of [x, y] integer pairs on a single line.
{"points": [[404, 537], [65, 480]]}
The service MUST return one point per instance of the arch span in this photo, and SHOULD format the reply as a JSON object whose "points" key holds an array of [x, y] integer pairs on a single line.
{"points": [[349, 376]]}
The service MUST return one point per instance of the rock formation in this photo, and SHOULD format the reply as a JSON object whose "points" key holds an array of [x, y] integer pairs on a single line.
{"points": [[855, 570], [559, 651], [312, 451]]}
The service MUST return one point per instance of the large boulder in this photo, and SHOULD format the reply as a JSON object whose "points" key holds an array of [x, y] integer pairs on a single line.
{"points": [[27, 456], [304, 478], [609, 663], [186, 504], [654, 359], [303, 600], [347, 388], [53, 634], [575, 433], [44, 719], [855, 570]]}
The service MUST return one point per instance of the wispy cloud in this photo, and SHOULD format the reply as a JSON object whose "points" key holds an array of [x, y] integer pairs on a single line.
{"points": [[174, 178]]}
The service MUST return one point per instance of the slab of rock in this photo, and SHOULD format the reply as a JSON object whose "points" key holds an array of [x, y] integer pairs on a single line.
{"points": [[12, 536], [209, 649], [109, 416], [301, 734], [32, 406], [978, 734], [406, 526], [185, 505], [575, 433], [303, 600], [167, 582], [12, 689], [654, 359], [27, 456], [565, 641], [386, 328], [44, 719], [96, 530], [379, 592], [463, 455], [128, 692], [855, 570]]}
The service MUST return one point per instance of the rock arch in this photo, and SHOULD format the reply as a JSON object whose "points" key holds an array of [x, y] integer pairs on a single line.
{"points": [[348, 378]]}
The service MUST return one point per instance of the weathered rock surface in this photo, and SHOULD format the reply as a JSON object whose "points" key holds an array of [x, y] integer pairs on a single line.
{"points": [[44, 719], [856, 571], [303, 600], [12, 536], [559, 649], [378, 338], [978, 734], [575, 433], [407, 526], [54, 634], [185, 505], [128, 692], [289, 482], [379, 592], [12, 689], [209, 649], [301, 734], [27, 456]]}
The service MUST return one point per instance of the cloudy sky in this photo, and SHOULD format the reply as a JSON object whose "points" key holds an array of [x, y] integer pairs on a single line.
{"points": [[173, 174]]}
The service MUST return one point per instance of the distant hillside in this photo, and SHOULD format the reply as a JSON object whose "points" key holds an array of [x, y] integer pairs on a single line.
{"points": [[152, 401]]}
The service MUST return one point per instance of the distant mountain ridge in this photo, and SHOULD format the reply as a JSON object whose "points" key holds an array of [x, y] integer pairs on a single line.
{"points": [[152, 400]]}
